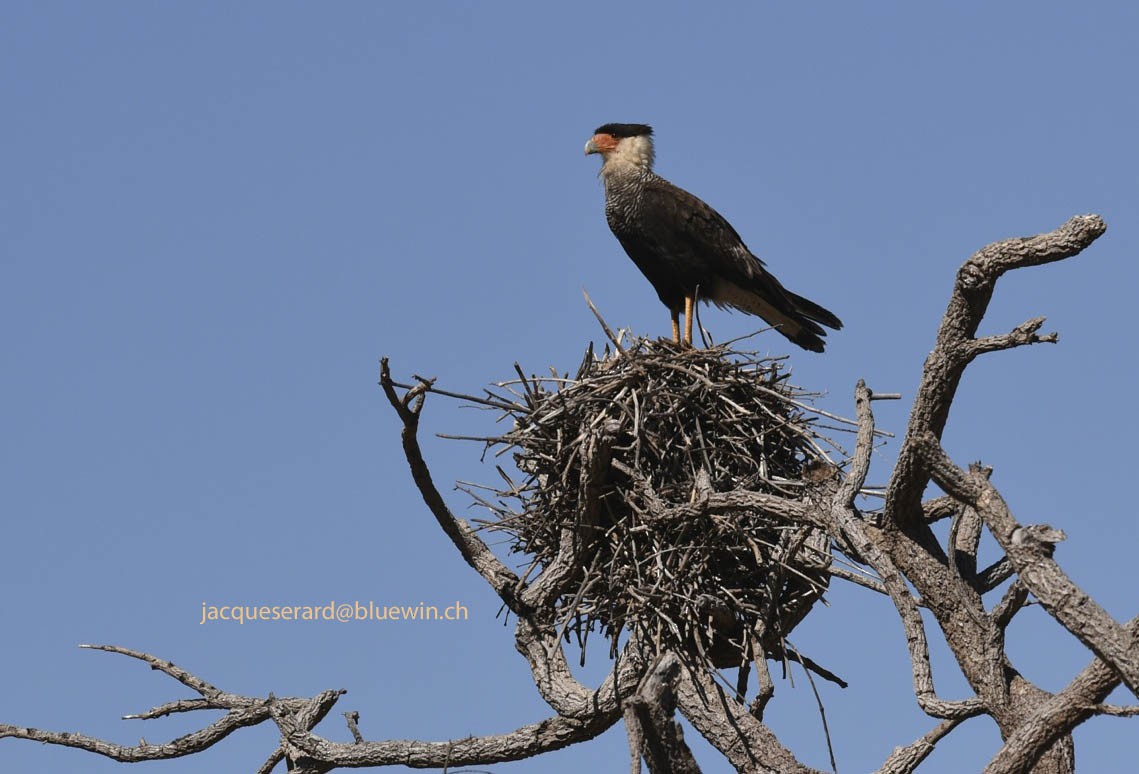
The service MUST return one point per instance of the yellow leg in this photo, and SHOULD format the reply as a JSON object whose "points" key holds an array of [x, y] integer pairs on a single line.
{"points": [[675, 325], [688, 304]]}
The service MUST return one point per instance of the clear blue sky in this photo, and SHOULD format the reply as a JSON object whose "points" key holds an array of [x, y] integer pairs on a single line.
{"points": [[216, 217]]}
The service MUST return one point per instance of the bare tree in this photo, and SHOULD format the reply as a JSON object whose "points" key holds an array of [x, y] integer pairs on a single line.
{"points": [[670, 645]]}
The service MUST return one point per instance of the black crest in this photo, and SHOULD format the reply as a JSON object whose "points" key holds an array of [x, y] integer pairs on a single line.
{"points": [[625, 130]]}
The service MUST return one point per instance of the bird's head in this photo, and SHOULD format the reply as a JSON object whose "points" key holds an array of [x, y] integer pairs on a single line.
{"points": [[623, 144]]}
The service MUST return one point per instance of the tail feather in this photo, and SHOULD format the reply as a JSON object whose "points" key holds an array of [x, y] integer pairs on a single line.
{"points": [[813, 342], [797, 318], [813, 311]]}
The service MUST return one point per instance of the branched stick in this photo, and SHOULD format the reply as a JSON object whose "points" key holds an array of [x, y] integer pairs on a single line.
{"points": [[175, 748], [956, 347], [307, 752], [975, 639], [1029, 550], [241, 712], [1020, 336], [493, 401], [476, 553], [1056, 717], [847, 523]]}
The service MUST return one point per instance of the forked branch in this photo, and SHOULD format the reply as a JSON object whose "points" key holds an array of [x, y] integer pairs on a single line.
{"points": [[956, 346], [477, 554], [1029, 549]]}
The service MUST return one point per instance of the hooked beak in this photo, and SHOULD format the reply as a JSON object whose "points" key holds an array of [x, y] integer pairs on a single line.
{"points": [[591, 147]]}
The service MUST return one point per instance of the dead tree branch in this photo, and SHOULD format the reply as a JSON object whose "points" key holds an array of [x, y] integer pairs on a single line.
{"points": [[649, 716], [845, 522], [906, 759], [241, 712], [1055, 718], [748, 744], [470, 546], [682, 503], [1030, 551], [956, 346]]}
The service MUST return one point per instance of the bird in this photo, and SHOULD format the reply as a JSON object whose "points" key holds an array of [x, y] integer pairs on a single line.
{"points": [[687, 250]]}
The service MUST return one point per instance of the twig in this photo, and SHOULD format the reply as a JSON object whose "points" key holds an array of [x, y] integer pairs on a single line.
{"points": [[906, 759], [819, 702], [604, 326]]}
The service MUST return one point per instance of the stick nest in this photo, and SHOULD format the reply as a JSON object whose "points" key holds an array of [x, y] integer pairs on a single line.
{"points": [[613, 464]]}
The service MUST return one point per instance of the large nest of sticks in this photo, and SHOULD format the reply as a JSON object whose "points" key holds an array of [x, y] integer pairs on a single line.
{"points": [[612, 465]]}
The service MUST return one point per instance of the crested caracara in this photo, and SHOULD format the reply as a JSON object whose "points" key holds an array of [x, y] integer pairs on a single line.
{"points": [[686, 249]]}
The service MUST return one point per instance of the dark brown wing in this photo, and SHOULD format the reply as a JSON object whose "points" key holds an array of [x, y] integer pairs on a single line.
{"points": [[702, 250]]}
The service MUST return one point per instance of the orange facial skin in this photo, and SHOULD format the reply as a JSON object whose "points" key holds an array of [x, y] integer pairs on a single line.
{"points": [[601, 143]]}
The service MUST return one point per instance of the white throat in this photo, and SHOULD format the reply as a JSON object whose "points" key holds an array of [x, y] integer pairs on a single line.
{"points": [[632, 152]]}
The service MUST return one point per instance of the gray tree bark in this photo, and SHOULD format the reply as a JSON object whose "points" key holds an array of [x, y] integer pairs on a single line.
{"points": [[648, 689]]}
